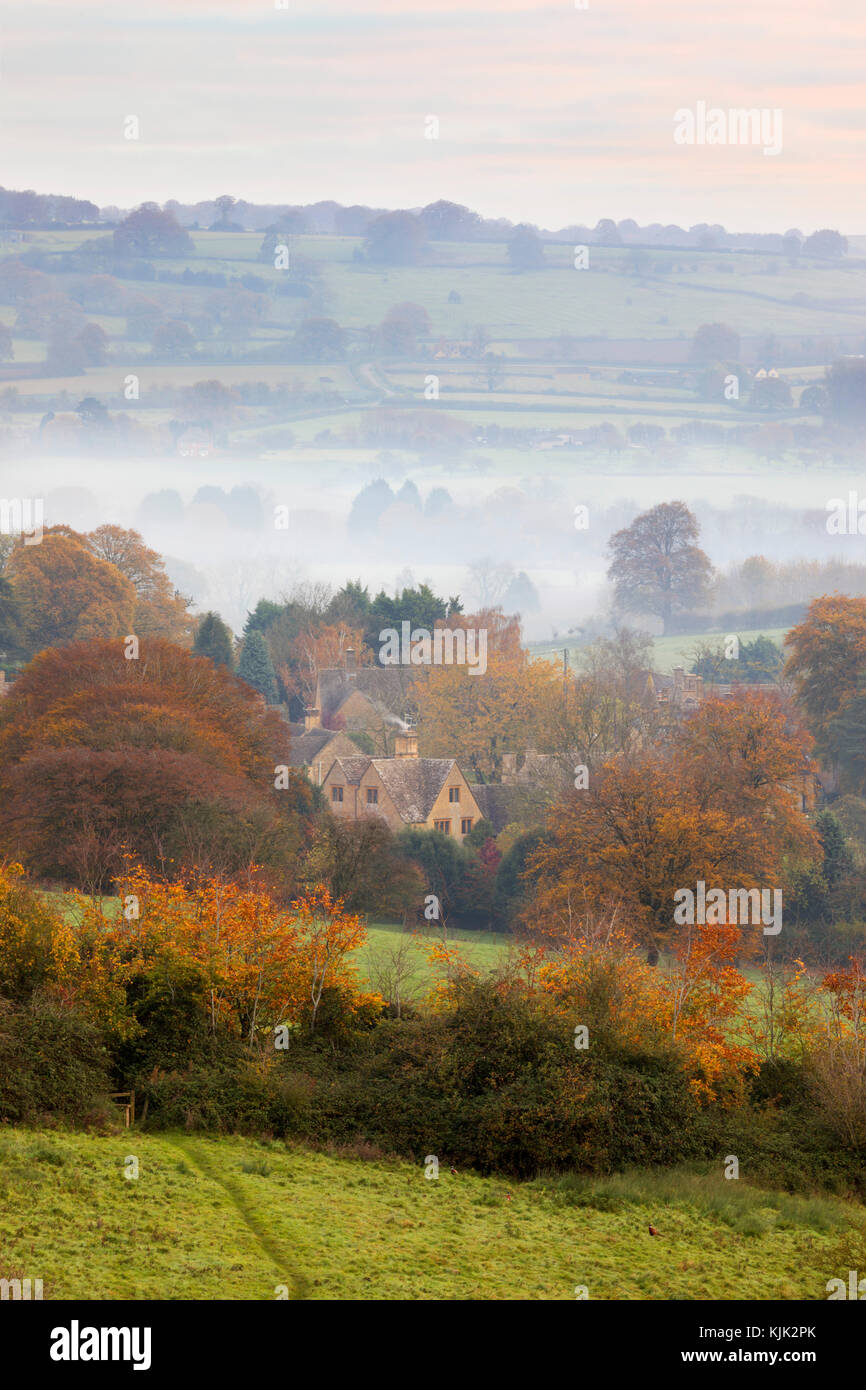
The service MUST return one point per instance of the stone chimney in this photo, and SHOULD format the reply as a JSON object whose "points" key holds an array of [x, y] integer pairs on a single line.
{"points": [[311, 719], [350, 658], [509, 768], [406, 744]]}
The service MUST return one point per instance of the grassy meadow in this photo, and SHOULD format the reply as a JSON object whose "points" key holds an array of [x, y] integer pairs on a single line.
{"points": [[667, 652], [243, 1219]]}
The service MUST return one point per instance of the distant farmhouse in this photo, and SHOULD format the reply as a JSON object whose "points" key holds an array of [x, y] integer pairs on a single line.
{"points": [[408, 792]]}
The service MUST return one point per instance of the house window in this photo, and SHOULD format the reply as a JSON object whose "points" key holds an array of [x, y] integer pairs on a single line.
{"points": [[443, 825], [453, 793], [372, 796], [336, 793], [465, 825]]}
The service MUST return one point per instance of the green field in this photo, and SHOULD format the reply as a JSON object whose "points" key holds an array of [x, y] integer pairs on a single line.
{"points": [[484, 951], [667, 652], [581, 349], [235, 1218]]}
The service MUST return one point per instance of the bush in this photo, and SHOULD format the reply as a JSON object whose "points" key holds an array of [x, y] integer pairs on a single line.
{"points": [[496, 1084], [52, 1063], [239, 1099]]}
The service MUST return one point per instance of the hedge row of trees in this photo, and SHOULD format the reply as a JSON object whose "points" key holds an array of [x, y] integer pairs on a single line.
{"points": [[228, 1012]]}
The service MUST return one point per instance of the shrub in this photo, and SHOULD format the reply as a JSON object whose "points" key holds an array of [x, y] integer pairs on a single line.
{"points": [[496, 1084], [241, 1099], [52, 1063]]}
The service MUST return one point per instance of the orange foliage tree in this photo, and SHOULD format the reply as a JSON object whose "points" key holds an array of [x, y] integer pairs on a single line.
{"points": [[66, 594], [265, 965], [597, 976], [827, 657], [164, 753], [160, 611], [713, 805], [477, 718]]}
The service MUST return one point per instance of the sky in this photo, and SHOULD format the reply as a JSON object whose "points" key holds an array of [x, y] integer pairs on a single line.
{"points": [[547, 113]]}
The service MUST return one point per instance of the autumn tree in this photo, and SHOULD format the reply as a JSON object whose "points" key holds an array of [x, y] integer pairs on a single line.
{"points": [[478, 718], [322, 645], [264, 965], [401, 328], [173, 341], [163, 753], [11, 630], [65, 593], [656, 565], [604, 707], [712, 804], [160, 610], [827, 661]]}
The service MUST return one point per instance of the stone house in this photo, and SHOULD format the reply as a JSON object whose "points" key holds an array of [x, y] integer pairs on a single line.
{"points": [[314, 748], [406, 791]]}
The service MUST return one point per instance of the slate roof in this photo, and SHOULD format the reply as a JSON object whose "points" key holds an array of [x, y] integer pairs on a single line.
{"points": [[307, 746]]}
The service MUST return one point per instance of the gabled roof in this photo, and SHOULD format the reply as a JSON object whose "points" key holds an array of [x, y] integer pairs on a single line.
{"points": [[308, 745], [384, 685], [353, 769], [413, 784]]}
